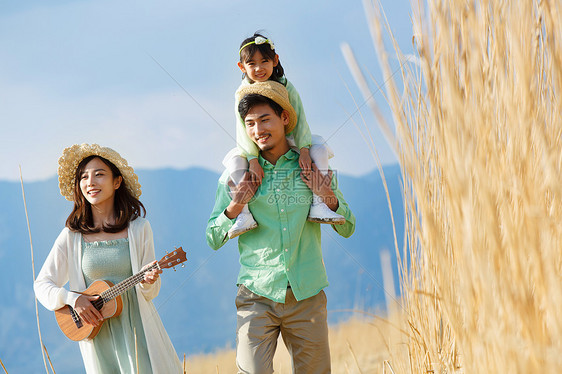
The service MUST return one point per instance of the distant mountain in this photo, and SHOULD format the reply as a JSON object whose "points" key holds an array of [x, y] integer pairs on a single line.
{"points": [[196, 303]]}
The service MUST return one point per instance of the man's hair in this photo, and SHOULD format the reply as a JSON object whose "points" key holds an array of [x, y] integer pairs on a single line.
{"points": [[251, 100]]}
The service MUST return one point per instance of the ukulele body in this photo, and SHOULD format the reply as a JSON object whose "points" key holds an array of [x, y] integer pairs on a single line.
{"points": [[112, 305], [76, 329]]}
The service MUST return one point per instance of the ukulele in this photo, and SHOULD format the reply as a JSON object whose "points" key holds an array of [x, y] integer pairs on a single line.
{"points": [[109, 303]]}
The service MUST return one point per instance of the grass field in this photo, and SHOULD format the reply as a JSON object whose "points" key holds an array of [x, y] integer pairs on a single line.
{"points": [[478, 130]]}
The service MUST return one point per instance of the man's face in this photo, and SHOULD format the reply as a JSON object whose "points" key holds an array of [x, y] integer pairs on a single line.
{"points": [[266, 128]]}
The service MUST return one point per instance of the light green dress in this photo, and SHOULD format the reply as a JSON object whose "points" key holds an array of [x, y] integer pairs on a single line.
{"points": [[115, 343]]}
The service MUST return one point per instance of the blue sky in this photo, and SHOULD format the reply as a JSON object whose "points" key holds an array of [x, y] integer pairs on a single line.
{"points": [[99, 72]]}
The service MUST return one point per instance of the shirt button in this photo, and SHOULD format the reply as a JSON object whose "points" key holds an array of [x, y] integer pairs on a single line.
{"points": [[286, 249], [278, 190], [275, 172], [282, 210], [287, 269], [284, 229]]}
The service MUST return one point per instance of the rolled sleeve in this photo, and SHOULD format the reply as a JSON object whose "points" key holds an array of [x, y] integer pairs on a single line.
{"points": [[223, 222], [150, 291], [71, 298], [348, 228], [219, 223]]}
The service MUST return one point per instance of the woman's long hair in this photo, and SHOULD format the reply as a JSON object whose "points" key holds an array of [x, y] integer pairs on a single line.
{"points": [[127, 207]]}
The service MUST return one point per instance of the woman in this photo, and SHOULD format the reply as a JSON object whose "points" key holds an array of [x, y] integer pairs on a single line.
{"points": [[107, 238]]}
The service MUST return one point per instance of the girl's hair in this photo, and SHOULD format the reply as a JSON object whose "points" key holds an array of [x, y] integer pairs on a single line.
{"points": [[127, 207], [266, 51]]}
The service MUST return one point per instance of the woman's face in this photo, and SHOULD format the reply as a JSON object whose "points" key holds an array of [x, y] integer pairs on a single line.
{"points": [[98, 184]]}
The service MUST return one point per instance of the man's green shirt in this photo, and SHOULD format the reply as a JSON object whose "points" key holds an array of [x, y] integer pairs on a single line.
{"points": [[285, 248]]}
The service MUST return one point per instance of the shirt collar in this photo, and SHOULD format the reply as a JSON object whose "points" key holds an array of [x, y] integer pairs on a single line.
{"points": [[290, 155]]}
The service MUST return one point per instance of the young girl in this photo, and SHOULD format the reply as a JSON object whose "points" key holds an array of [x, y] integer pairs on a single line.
{"points": [[107, 238], [259, 63]]}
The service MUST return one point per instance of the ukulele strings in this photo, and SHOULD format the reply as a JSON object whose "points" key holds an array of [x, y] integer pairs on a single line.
{"points": [[121, 287]]}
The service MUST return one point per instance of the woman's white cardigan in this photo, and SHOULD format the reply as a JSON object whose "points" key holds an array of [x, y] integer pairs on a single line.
{"points": [[64, 265]]}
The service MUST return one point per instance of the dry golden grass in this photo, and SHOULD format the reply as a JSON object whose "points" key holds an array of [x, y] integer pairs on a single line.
{"points": [[479, 137], [357, 346]]}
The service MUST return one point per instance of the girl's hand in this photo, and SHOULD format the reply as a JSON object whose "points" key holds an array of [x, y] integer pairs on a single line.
{"points": [[241, 194], [256, 171], [151, 276], [321, 185], [86, 311], [305, 161]]}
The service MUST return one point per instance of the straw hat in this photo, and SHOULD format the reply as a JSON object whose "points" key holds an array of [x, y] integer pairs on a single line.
{"points": [[72, 156], [276, 92]]}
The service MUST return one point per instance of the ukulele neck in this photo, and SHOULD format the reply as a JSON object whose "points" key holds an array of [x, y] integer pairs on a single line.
{"points": [[126, 284]]}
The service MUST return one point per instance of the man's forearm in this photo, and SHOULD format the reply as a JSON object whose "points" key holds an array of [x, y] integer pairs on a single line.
{"points": [[233, 209], [331, 200]]}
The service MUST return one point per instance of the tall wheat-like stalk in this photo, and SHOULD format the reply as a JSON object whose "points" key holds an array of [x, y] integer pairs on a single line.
{"points": [[3, 367], [43, 348], [479, 139]]}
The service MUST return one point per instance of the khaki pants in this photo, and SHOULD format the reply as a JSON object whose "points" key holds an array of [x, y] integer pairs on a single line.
{"points": [[302, 324]]}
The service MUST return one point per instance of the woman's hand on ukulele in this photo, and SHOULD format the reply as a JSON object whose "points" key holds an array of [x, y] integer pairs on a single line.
{"points": [[86, 311], [151, 276]]}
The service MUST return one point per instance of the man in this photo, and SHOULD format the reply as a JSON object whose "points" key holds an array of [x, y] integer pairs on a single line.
{"points": [[282, 274]]}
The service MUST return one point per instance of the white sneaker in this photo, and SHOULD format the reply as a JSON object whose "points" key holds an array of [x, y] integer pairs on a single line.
{"points": [[244, 223], [319, 212]]}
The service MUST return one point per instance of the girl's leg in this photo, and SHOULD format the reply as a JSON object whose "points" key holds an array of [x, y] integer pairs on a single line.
{"points": [[319, 155], [319, 211], [237, 166]]}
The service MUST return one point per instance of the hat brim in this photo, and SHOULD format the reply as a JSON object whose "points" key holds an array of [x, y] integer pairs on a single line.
{"points": [[72, 156]]}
